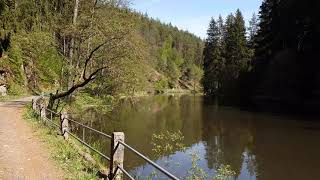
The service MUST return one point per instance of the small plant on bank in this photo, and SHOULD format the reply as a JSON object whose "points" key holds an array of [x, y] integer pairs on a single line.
{"points": [[224, 172], [167, 143], [196, 172]]}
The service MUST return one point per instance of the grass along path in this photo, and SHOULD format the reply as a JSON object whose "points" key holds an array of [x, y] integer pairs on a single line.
{"points": [[31, 150], [62, 152]]}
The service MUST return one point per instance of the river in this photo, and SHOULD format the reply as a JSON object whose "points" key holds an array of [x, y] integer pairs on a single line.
{"points": [[256, 145]]}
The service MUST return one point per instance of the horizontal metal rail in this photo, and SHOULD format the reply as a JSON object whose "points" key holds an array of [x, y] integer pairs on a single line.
{"points": [[99, 132], [87, 145], [58, 114], [171, 176], [125, 172], [50, 121], [149, 161]]}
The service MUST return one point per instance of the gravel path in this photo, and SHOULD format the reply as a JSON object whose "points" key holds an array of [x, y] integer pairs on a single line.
{"points": [[22, 155]]}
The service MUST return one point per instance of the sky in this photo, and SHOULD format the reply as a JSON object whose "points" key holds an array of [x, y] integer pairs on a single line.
{"points": [[195, 15]]}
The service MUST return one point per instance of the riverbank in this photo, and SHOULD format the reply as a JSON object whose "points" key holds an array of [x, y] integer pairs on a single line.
{"points": [[62, 152], [83, 101]]}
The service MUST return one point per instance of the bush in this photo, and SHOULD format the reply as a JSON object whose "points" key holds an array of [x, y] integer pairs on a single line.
{"points": [[161, 85]]}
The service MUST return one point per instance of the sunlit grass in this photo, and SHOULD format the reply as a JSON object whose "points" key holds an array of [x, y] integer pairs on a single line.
{"points": [[62, 152]]}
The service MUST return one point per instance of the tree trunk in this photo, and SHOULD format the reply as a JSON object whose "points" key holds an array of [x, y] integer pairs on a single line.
{"points": [[74, 22], [91, 25], [72, 41]]}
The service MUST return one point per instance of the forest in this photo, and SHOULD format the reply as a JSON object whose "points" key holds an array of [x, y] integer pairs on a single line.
{"points": [[104, 47], [240, 103], [273, 61], [107, 48]]}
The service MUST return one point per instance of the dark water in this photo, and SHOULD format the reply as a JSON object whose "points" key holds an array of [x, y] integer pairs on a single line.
{"points": [[256, 145]]}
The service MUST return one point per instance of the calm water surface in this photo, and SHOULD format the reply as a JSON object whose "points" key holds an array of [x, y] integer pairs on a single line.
{"points": [[256, 145]]}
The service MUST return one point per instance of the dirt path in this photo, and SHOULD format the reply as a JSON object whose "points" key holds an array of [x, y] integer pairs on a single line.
{"points": [[22, 155]]}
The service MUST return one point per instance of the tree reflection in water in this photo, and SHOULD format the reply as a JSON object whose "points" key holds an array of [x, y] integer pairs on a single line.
{"points": [[256, 145]]}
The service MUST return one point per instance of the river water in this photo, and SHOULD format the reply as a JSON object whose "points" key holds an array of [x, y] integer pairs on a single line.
{"points": [[256, 145]]}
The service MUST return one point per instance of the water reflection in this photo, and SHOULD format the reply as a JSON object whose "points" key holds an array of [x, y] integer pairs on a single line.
{"points": [[257, 146]]}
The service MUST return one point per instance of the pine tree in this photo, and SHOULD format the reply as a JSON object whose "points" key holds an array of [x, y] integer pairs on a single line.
{"points": [[236, 53], [253, 30], [230, 48], [213, 61], [264, 36], [222, 32], [242, 53]]}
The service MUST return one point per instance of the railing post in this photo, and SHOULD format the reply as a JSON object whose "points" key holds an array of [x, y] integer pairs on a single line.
{"points": [[117, 155], [64, 125], [34, 104], [43, 111]]}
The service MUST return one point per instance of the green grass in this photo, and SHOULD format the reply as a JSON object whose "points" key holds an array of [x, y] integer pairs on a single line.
{"points": [[62, 152]]}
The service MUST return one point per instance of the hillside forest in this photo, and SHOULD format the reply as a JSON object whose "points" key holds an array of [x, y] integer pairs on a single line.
{"points": [[103, 47], [106, 48]]}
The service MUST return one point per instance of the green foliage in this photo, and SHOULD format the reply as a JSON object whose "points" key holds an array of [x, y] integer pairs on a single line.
{"points": [[253, 30], [196, 73], [32, 61], [224, 173], [84, 101], [170, 61], [41, 63], [15, 89], [153, 175], [226, 54], [171, 51], [167, 142], [14, 63], [43, 37], [214, 61], [196, 172], [161, 85], [38, 48]]}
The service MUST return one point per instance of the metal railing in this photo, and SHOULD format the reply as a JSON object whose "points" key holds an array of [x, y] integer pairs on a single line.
{"points": [[118, 167], [149, 161]]}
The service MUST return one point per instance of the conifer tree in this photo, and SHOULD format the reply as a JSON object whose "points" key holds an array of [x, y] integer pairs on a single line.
{"points": [[221, 28], [242, 54], [236, 51], [253, 30], [264, 34], [213, 61]]}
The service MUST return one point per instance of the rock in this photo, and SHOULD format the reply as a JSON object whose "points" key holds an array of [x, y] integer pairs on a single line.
{"points": [[3, 75], [154, 76], [3, 90]]}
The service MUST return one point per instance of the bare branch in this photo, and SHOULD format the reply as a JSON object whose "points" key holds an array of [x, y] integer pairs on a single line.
{"points": [[90, 57]]}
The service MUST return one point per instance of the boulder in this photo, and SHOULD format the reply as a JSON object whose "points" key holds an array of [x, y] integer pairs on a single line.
{"points": [[3, 90]]}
